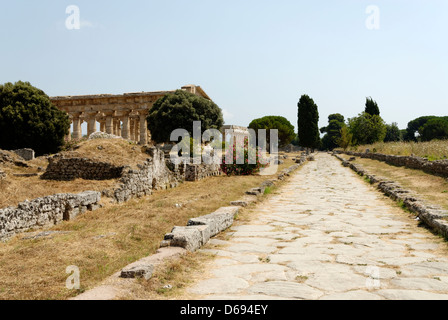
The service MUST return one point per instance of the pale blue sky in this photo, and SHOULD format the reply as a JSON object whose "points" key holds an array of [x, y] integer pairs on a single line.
{"points": [[253, 58]]}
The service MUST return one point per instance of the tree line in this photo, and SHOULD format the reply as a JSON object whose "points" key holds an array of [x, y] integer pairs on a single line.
{"points": [[29, 120]]}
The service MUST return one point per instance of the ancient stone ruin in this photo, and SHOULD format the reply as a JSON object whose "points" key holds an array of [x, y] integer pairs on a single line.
{"points": [[45, 212], [121, 115]]}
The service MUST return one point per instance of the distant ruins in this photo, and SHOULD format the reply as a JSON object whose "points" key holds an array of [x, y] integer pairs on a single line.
{"points": [[121, 115]]}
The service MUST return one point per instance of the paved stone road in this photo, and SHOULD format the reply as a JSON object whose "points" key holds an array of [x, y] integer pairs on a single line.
{"points": [[326, 235]]}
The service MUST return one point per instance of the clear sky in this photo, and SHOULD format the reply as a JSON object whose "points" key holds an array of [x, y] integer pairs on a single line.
{"points": [[253, 58]]}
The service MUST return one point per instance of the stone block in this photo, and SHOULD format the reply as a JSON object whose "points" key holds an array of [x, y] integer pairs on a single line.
{"points": [[27, 154], [239, 203], [267, 183], [218, 221], [190, 238], [140, 271], [256, 191]]}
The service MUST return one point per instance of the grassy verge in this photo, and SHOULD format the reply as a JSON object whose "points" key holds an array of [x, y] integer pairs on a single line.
{"points": [[102, 242], [17, 189], [432, 150], [429, 187]]}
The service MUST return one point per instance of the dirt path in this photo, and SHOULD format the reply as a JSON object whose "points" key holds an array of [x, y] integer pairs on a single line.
{"points": [[326, 234]]}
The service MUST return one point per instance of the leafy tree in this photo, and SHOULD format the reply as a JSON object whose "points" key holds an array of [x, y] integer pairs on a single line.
{"points": [[367, 129], [333, 131], [404, 135], [308, 123], [393, 133], [28, 119], [179, 110], [372, 107], [295, 141], [415, 126], [285, 129], [434, 129], [345, 139]]}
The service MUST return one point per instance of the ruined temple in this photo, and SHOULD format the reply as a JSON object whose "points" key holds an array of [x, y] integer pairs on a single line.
{"points": [[122, 115]]}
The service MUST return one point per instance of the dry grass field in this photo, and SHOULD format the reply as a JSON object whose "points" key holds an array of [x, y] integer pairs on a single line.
{"points": [[102, 242], [433, 150], [16, 189], [431, 188]]}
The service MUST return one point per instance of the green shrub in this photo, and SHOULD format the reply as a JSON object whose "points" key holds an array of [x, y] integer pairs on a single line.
{"points": [[28, 119], [240, 165]]}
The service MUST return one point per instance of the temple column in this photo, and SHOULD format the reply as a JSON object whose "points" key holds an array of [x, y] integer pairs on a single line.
{"points": [[126, 132], [103, 126], [136, 130], [118, 127], [77, 133], [143, 128], [109, 122], [91, 123], [114, 131], [68, 137], [131, 129]]}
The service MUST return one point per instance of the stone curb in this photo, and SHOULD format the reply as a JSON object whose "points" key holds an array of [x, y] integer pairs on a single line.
{"points": [[252, 194], [201, 229], [189, 238], [433, 216], [438, 167]]}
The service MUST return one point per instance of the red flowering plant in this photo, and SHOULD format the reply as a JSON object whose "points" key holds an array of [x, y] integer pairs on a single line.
{"points": [[241, 159]]}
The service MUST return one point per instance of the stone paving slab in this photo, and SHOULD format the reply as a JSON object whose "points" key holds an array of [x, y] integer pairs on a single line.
{"points": [[326, 234]]}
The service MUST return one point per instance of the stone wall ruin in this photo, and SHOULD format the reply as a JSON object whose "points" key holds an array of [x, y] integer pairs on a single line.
{"points": [[45, 212]]}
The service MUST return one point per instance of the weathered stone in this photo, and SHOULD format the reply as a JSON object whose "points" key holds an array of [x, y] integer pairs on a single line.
{"points": [[396, 294], [218, 221], [190, 238], [225, 285], [27, 154], [25, 175], [239, 203], [286, 290], [141, 271], [256, 191], [67, 169], [46, 211]]}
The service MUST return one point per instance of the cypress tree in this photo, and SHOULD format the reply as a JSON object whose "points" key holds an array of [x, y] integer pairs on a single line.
{"points": [[372, 107], [308, 123]]}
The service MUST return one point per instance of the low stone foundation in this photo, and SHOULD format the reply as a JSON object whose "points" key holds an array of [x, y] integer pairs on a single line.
{"points": [[45, 212], [67, 169], [196, 172], [27, 154], [154, 174]]}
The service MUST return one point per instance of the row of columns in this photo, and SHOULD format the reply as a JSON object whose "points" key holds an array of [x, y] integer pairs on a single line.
{"points": [[126, 126]]}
